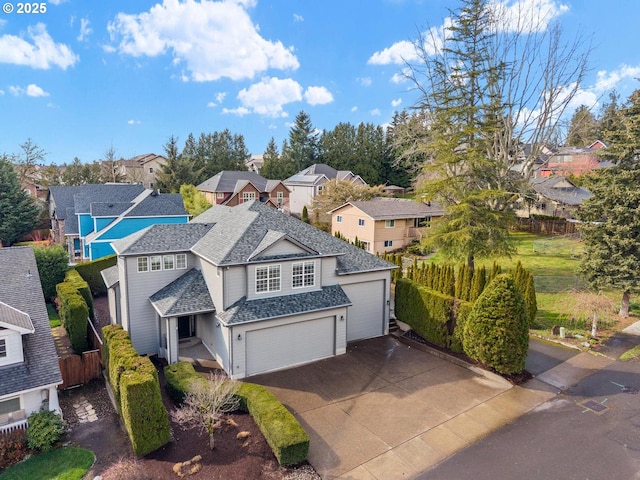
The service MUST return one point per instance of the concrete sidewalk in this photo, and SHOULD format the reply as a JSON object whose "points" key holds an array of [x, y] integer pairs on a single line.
{"points": [[387, 411]]}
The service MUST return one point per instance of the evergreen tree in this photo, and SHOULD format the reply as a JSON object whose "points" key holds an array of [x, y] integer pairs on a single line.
{"points": [[18, 212], [583, 128], [477, 286], [496, 332], [276, 166], [305, 214], [178, 170], [302, 148], [530, 300], [53, 263]]}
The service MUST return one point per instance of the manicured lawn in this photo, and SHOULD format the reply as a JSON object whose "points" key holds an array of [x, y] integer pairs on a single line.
{"points": [[54, 318], [67, 463]]}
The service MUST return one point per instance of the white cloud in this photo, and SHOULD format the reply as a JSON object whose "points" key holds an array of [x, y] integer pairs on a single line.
{"points": [[31, 90], [57, 2], [134, 122], [298, 18], [269, 95], [365, 81], [1, 92], [85, 30], [212, 104], [215, 39], [375, 112], [220, 96], [42, 53], [240, 111], [399, 78], [318, 96], [609, 80], [396, 102], [354, 108], [528, 15], [398, 53]]}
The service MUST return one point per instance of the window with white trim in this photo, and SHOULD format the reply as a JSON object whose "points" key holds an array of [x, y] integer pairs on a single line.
{"points": [[303, 274], [366, 246], [338, 218], [268, 279], [156, 263], [248, 196], [10, 405], [181, 261], [168, 262], [3, 348], [143, 264], [220, 195], [388, 243], [389, 224], [361, 222]]}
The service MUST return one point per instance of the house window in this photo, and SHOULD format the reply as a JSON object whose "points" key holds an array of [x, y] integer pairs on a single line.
{"points": [[388, 243], [181, 261], [150, 184], [389, 224], [3, 348], [280, 196], [168, 262], [143, 264], [361, 222], [248, 196], [338, 218], [366, 246], [268, 279], [11, 405], [220, 195], [422, 222], [150, 169], [156, 263], [303, 274]]}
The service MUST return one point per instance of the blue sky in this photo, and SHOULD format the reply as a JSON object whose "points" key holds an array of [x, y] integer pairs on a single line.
{"points": [[84, 76]]}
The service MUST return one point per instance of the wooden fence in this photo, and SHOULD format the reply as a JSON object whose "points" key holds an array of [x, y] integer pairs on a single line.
{"points": [[80, 369], [547, 226]]}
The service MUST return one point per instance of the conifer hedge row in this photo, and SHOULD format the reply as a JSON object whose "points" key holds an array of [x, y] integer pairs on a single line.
{"points": [[90, 271], [73, 313]]}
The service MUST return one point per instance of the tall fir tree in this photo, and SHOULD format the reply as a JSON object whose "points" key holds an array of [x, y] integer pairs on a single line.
{"points": [[18, 212]]}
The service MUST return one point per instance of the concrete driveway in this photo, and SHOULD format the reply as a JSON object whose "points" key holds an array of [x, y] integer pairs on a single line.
{"points": [[387, 410]]}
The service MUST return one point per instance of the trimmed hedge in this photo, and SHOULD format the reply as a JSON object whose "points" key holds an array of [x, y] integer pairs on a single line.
{"points": [[135, 384], [73, 313], [284, 434], [90, 271], [74, 278]]}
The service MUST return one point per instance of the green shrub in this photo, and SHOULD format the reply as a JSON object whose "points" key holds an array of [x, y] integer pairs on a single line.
{"points": [[74, 278], [13, 447], [73, 313], [90, 271], [497, 330], [53, 263], [45, 429], [283, 433], [180, 376]]}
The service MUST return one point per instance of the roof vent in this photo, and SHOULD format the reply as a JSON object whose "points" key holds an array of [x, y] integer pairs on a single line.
{"points": [[154, 193]]}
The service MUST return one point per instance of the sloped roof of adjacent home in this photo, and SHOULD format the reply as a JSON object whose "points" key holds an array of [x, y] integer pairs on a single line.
{"points": [[21, 289], [14, 319], [226, 181], [159, 204], [180, 237], [64, 196], [240, 230], [186, 295], [383, 208], [110, 275], [560, 189], [245, 311]]}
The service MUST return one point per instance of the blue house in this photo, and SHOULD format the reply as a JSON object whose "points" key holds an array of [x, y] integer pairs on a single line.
{"points": [[87, 218]]}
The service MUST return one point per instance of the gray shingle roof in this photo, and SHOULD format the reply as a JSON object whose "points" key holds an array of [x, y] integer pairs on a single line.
{"points": [[245, 311], [108, 209], [159, 204], [111, 276], [160, 238], [108, 193], [186, 295], [321, 169], [21, 289], [383, 208], [71, 222], [238, 231], [226, 180], [12, 317], [560, 189]]}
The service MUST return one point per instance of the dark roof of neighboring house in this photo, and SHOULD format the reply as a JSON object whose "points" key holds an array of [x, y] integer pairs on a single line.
{"points": [[71, 223], [186, 295], [110, 275], [64, 197], [147, 157], [226, 181], [560, 189], [180, 237], [108, 209], [320, 169], [383, 208], [21, 289], [159, 204], [245, 311]]}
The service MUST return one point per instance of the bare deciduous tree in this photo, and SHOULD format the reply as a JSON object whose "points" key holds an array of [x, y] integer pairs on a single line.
{"points": [[206, 403]]}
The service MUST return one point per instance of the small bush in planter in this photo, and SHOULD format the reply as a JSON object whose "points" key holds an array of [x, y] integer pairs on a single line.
{"points": [[45, 429]]}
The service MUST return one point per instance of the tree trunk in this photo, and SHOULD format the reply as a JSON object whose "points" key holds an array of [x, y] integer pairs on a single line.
{"points": [[624, 306], [212, 442], [594, 325], [471, 261]]}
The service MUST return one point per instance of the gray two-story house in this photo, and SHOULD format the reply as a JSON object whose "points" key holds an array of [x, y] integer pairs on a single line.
{"points": [[262, 290]]}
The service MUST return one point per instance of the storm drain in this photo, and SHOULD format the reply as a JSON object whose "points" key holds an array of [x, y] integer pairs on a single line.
{"points": [[593, 406], [625, 389]]}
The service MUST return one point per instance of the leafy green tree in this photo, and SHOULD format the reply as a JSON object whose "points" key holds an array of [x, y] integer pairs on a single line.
{"points": [[78, 173], [194, 202], [276, 166], [496, 332], [53, 263], [611, 232], [302, 147], [18, 212], [338, 193], [583, 128]]}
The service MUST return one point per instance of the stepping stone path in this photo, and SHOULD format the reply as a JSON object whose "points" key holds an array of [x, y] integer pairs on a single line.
{"points": [[85, 411]]}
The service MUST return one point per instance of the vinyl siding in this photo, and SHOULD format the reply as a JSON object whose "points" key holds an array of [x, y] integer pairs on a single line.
{"points": [[286, 278], [13, 343], [235, 284]]}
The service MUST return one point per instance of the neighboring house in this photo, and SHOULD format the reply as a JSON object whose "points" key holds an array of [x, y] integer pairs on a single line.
{"points": [[262, 290], [232, 188], [310, 182], [554, 196], [29, 371], [254, 164], [87, 218], [576, 161], [143, 169], [384, 224]]}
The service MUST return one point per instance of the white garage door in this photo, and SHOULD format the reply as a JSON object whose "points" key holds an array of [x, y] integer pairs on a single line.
{"points": [[288, 345], [365, 318]]}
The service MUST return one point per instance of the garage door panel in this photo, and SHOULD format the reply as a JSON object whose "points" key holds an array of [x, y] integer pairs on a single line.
{"points": [[288, 345], [365, 318]]}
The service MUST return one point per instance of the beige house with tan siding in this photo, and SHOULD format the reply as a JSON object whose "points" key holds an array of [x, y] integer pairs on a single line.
{"points": [[384, 224]]}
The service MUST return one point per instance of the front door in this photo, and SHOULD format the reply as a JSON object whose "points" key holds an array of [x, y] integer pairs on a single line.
{"points": [[186, 327]]}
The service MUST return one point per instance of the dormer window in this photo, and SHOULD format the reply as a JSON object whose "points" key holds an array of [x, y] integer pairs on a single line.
{"points": [[268, 279], [303, 274]]}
